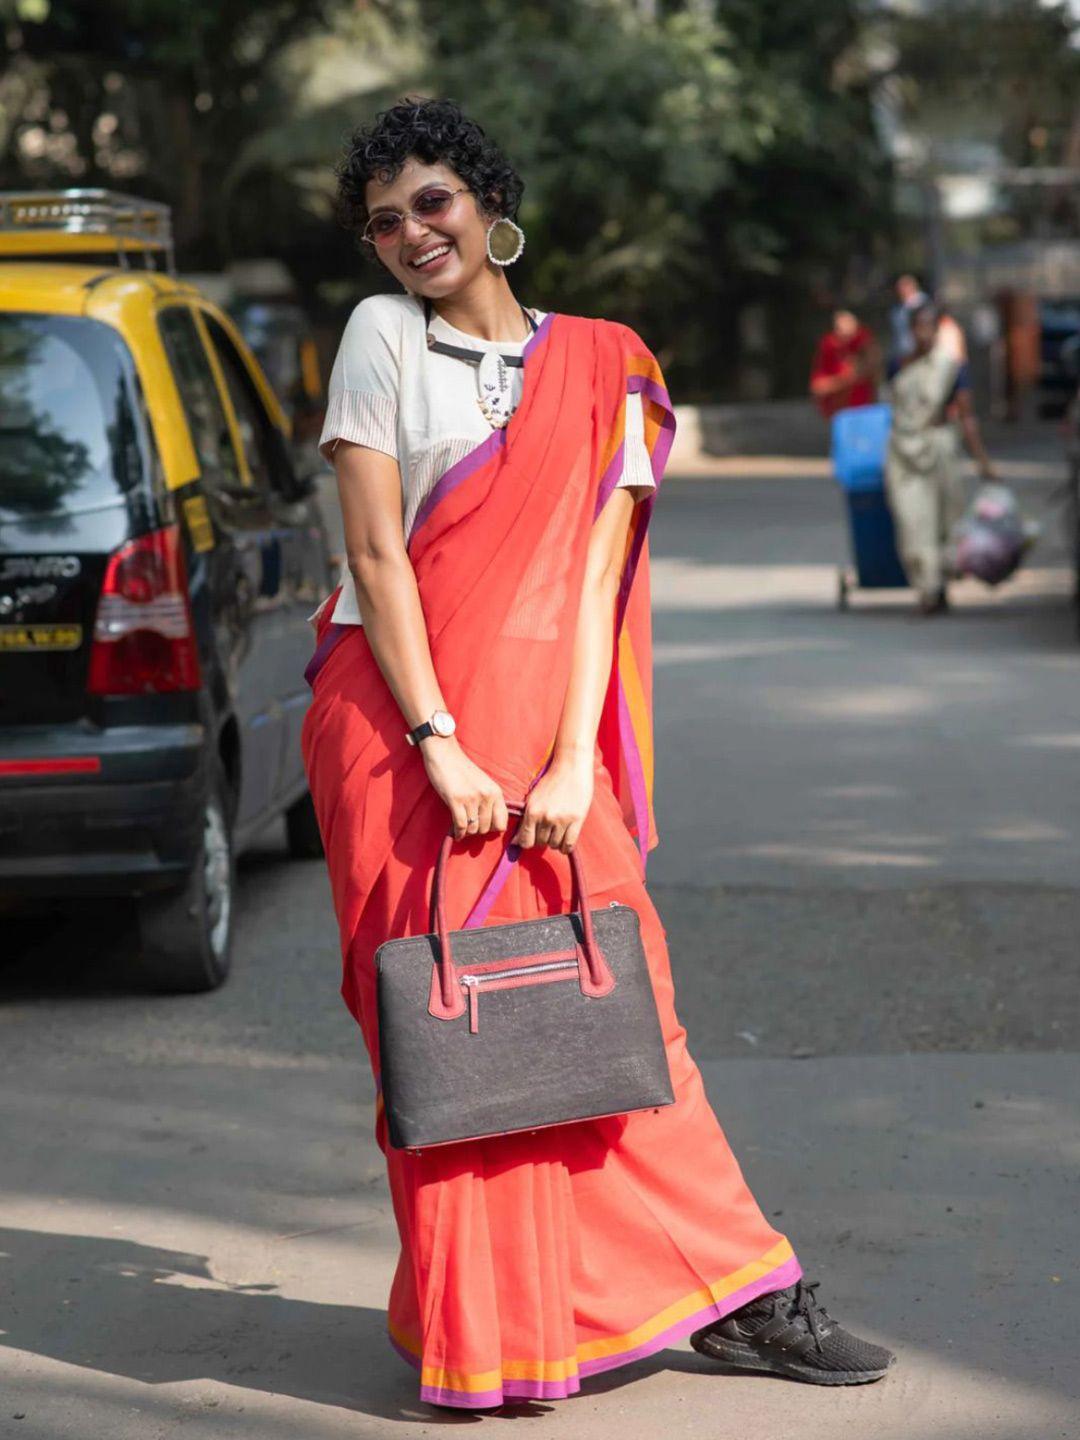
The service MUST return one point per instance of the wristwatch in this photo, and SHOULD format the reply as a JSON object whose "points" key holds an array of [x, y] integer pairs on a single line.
{"points": [[442, 723]]}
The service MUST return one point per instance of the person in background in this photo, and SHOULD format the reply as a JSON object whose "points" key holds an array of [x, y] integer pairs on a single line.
{"points": [[846, 366], [909, 296], [931, 403]]}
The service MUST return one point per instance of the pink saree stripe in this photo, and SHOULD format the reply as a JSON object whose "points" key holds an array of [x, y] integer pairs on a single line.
{"points": [[637, 385], [635, 774], [329, 641], [493, 889], [610, 478], [662, 449], [443, 1395], [641, 529], [510, 856], [452, 478], [778, 1279], [642, 385]]}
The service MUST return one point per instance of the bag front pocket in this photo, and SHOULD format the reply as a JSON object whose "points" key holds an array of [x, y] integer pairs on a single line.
{"points": [[513, 975]]}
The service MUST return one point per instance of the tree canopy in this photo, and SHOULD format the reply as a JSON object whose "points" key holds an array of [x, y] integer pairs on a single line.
{"points": [[683, 159]]}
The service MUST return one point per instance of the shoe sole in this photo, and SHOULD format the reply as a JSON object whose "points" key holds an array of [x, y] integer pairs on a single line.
{"points": [[745, 1357]]}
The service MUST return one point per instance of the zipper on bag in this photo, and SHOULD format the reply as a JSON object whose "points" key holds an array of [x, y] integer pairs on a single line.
{"points": [[474, 983]]}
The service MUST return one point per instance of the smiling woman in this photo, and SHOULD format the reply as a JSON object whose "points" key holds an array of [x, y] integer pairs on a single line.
{"points": [[497, 467]]}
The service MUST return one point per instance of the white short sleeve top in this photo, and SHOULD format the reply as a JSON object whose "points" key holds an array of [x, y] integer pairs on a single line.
{"points": [[390, 392]]}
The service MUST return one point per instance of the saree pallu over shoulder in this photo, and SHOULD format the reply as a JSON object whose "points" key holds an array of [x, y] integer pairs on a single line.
{"points": [[534, 495], [529, 1261]]}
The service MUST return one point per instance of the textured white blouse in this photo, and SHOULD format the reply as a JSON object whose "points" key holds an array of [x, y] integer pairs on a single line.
{"points": [[390, 392]]}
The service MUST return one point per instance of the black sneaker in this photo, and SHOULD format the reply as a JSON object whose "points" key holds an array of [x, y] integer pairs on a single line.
{"points": [[789, 1333]]}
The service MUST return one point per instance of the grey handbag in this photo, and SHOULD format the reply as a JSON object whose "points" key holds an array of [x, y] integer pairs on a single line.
{"points": [[516, 1027]]}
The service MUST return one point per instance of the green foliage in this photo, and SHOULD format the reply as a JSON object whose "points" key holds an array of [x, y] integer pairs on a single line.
{"points": [[679, 158], [147, 95], [673, 162]]}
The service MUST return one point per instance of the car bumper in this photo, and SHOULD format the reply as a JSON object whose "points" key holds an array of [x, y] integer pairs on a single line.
{"points": [[99, 811]]}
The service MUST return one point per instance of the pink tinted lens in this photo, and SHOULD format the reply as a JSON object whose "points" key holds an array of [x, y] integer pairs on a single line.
{"points": [[433, 203], [387, 225], [383, 228]]}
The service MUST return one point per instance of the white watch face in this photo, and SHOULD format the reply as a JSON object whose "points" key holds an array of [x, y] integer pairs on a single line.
{"points": [[443, 723]]}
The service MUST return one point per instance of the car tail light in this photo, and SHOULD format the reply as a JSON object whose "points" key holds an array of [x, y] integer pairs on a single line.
{"points": [[144, 641]]}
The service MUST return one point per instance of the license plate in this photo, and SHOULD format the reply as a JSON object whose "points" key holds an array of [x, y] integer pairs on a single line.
{"points": [[34, 638]]}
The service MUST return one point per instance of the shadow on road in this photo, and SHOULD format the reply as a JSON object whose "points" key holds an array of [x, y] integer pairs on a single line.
{"points": [[159, 1316]]}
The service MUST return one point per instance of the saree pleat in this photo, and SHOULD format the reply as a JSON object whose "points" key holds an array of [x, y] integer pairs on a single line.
{"points": [[529, 1261]]}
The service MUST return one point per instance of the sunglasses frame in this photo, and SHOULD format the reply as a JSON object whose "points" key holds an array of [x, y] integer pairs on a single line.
{"points": [[403, 215]]}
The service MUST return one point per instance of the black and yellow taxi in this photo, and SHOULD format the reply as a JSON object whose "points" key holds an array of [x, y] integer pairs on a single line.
{"points": [[159, 556]]}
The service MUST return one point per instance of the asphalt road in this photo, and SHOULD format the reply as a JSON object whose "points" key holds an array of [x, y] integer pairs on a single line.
{"points": [[867, 873]]}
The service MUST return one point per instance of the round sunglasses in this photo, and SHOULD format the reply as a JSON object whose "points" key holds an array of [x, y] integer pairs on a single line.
{"points": [[385, 226]]}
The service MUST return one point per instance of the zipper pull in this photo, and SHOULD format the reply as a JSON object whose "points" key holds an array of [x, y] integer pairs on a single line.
{"points": [[472, 985]]}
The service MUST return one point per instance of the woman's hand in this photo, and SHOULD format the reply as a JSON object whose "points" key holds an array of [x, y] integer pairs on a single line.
{"points": [[556, 807], [475, 801]]}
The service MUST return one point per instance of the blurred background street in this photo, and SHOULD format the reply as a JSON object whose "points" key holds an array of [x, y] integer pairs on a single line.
{"points": [[869, 820]]}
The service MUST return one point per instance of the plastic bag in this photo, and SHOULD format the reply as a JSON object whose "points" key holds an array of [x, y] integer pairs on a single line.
{"points": [[992, 538]]}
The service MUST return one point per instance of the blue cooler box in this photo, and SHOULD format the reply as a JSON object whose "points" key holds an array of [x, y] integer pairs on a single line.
{"points": [[860, 438]]}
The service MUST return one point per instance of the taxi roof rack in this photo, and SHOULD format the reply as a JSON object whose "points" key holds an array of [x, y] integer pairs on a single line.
{"points": [[50, 222]]}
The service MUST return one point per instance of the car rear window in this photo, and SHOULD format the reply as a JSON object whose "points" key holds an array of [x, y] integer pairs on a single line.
{"points": [[68, 439]]}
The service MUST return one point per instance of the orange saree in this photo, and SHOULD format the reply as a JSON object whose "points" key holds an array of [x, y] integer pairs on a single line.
{"points": [[529, 1261]]}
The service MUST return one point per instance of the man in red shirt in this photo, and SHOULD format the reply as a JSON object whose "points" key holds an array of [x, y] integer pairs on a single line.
{"points": [[846, 366]]}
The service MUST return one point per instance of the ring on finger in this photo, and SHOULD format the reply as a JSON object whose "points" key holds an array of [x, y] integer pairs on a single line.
{"points": [[472, 819]]}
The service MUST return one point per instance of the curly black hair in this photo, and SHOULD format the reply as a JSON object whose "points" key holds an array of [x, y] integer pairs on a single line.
{"points": [[436, 132]]}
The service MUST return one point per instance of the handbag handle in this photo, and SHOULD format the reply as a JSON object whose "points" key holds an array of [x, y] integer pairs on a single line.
{"points": [[447, 1001]]}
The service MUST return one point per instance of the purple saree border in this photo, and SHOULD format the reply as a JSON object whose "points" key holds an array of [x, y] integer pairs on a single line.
{"points": [[635, 775], [610, 478], [778, 1279], [638, 384], [499, 876], [493, 889], [334, 633], [642, 385], [456, 475]]}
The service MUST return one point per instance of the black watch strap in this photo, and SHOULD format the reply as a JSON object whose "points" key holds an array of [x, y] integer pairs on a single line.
{"points": [[420, 733]]}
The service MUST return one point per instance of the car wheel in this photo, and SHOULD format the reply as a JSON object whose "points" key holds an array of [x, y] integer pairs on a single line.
{"points": [[302, 829], [187, 934]]}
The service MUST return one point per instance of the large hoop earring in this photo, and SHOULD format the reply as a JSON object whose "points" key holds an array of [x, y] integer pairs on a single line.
{"points": [[505, 242]]}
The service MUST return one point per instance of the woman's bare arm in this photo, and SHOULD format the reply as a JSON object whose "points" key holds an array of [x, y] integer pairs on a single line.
{"points": [[369, 487], [969, 429], [559, 802]]}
